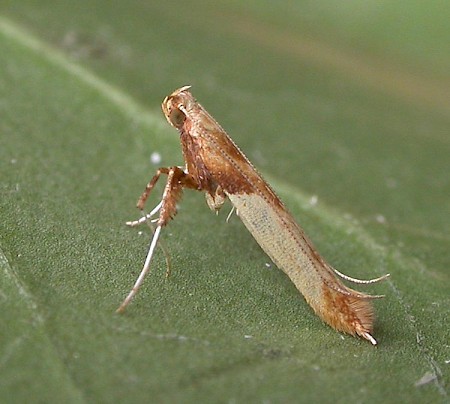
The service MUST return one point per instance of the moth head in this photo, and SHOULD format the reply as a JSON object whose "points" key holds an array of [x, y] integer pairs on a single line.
{"points": [[176, 105]]}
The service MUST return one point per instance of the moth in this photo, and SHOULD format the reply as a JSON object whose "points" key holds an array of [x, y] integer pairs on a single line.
{"points": [[217, 167]]}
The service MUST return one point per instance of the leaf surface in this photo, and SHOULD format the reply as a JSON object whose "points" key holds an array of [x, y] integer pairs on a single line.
{"points": [[353, 136]]}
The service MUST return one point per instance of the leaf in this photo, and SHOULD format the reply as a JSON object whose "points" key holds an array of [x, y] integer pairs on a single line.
{"points": [[360, 159]]}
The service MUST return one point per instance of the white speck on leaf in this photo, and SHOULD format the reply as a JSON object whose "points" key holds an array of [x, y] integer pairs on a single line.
{"points": [[155, 158], [313, 200]]}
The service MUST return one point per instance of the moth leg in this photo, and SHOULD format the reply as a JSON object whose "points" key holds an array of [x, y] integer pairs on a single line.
{"points": [[146, 217], [177, 179], [148, 189], [215, 201], [230, 214]]}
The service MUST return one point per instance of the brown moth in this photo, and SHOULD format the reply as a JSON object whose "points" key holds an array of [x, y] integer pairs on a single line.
{"points": [[216, 166]]}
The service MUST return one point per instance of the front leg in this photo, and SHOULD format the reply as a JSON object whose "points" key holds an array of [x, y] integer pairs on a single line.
{"points": [[148, 189], [175, 175], [177, 179]]}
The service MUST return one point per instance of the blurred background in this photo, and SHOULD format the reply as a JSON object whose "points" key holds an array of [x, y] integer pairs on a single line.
{"points": [[342, 105]]}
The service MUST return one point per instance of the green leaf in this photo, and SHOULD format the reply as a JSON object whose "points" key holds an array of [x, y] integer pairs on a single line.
{"points": [[345, 114]]}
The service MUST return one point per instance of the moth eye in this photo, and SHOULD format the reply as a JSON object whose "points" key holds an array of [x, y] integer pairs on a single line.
{"points": [[177, 117]]}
